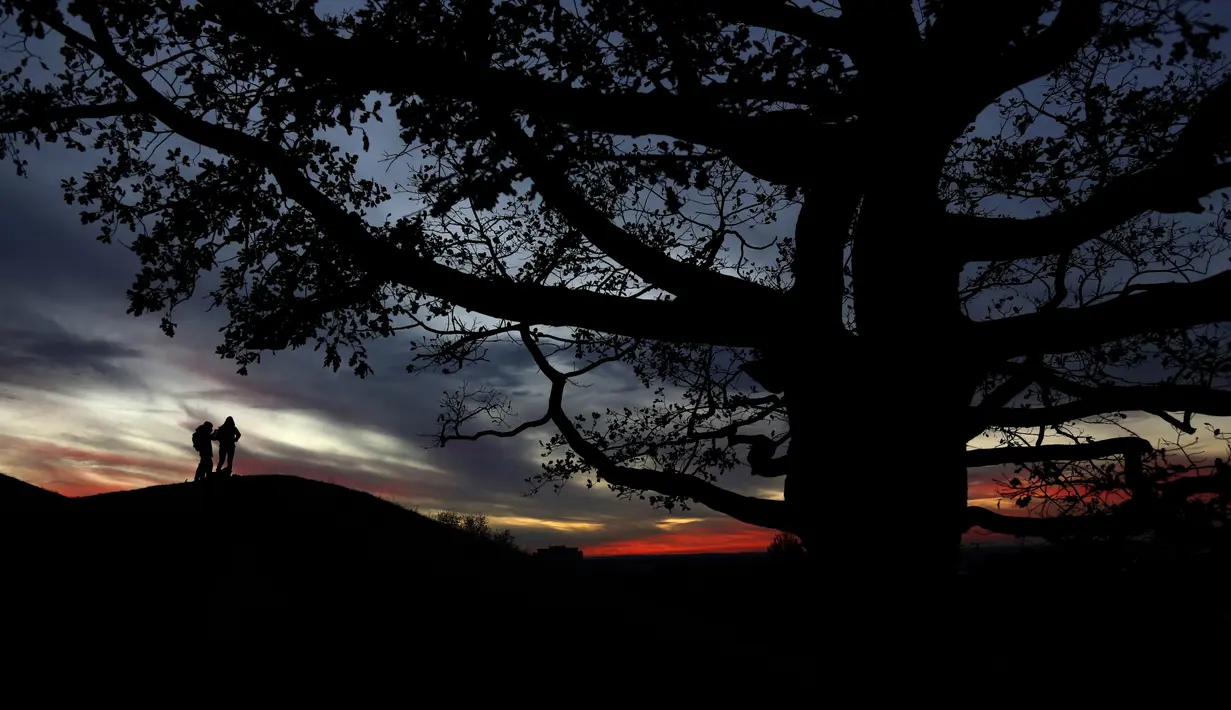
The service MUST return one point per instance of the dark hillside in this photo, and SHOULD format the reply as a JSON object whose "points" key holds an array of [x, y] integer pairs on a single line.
{"points": [[272, 563], [264, 550], [276, 563], [256, 515], [17, 496]]}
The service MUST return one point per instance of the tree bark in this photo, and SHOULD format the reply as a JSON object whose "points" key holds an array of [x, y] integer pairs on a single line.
{"points": [[919, 479]]}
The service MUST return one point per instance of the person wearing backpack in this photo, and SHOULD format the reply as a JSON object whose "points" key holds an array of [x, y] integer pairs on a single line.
{"points": [[226, 436], [201, 442]]}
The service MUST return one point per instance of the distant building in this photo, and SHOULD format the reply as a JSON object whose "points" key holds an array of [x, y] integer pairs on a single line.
{"points": [[559, 553]]}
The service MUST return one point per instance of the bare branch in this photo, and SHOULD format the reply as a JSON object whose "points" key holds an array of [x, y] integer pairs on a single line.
{"points": [[754, 511], [486, 402]]}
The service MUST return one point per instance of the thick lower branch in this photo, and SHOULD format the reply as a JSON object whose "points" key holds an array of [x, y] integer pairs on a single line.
{"points": [[1095, 401], [1152, 190], [1124, 445], [1023, 526], [1172, 307], [1129, 521]]}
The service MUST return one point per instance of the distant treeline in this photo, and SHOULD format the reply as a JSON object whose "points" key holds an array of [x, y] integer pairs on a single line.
{"points": [[477, 525]]}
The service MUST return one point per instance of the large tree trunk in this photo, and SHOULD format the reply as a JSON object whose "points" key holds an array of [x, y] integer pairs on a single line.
{"points": [[900, 449], [877, 442], [884, 490]]}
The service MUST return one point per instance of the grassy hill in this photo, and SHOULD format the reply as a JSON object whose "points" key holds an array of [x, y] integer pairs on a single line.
{"points": [[278, 562]]}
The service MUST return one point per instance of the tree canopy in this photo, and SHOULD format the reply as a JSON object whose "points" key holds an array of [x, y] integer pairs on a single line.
{"points": [[836, 242]]}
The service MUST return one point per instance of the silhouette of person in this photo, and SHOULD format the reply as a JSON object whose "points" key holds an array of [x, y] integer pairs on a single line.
{"points": [[201, 442], [226, 436]]}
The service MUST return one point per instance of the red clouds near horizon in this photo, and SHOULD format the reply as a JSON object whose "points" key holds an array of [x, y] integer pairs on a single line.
{"points": [[719, 535]]}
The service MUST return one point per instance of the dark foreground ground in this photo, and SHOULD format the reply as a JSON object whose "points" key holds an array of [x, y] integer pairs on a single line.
{"points": [[273, 566]]}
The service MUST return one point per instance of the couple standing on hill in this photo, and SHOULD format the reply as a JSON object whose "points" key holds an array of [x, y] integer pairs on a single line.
{"points": [[226, 436]]}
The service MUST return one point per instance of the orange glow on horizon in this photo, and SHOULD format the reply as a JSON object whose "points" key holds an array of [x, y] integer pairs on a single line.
{"points": [[80, 489], [716, 536]]}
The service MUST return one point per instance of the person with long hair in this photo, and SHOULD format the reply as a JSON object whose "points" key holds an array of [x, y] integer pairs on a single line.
{"points": [[226, 436]]}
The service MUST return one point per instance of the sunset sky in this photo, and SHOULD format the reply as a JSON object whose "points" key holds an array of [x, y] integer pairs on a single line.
{"points": [[94, 400]]}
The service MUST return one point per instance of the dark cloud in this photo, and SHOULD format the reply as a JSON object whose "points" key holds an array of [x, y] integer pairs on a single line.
{"points": [[46, 254], [37, 352]]}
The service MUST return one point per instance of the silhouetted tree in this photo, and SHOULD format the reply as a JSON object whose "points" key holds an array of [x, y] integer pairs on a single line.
{"points": [[786, 547], [785, 220], [477, 525]]}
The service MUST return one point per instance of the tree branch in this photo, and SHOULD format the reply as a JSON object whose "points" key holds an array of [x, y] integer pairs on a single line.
{"points": [[761, 449], [754, 511], [1175, 185], [1153, 190], [1124, 445], [972, 39], [881, 33], [1168, 307], [1024, 526], [779, 16], [1002, 395], [1128, 521], [496, 406], [765, 145], [1114, 398], [649, 264], [547, 305], [1075, 24], [47, 117], [444, 438]]}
